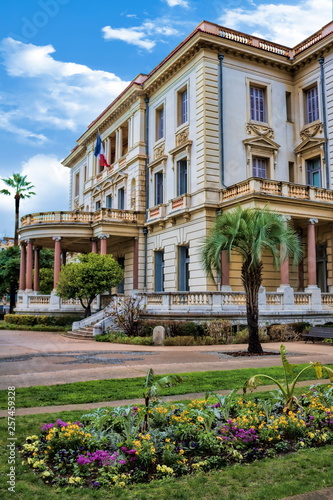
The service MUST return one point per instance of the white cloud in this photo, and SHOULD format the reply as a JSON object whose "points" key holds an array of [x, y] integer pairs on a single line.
{"points": [[63, 95], [51, 182], [282, 23], [128, 35], [143, 36], [174, 3]]}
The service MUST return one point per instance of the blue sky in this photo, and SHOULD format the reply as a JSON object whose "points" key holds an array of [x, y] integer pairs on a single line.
{"points": [[63, 61]]}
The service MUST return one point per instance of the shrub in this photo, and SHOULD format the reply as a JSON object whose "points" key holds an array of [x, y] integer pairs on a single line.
{"points": [[175, 328], [287, 332], [220, 330], [121, 338], [126, 314], [31, 320], [35, 328]]}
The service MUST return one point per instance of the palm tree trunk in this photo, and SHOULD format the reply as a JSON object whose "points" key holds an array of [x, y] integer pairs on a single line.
{"points": [[252, 278], [17, 212]]}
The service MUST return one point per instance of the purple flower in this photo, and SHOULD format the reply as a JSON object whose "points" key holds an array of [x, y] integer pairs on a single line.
{"points": [[122, 462], [45, 427], [311, 417], [131, 452], [123, 448], [61, 423]]}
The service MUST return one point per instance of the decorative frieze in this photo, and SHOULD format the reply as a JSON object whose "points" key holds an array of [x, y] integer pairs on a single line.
{"points": [[182, 137], [259, 130], [311, 130], [159, 151]]}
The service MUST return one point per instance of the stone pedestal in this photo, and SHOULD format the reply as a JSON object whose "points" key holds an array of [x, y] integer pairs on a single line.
{"points": [[159, 335]]}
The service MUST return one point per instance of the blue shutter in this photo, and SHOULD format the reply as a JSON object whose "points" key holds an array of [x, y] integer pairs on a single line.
{"points": [[182, 177], [159, 271], [183, 269]]}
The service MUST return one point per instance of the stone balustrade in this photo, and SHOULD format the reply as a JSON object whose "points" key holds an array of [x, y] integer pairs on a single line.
{"points": [[276, 188], [104, 214]]}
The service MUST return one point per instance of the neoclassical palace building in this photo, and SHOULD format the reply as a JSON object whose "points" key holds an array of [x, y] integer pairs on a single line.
{"points": [[225, 119]]}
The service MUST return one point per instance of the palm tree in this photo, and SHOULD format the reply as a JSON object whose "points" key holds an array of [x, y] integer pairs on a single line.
{"points": [[250, 232], [22, 189]]}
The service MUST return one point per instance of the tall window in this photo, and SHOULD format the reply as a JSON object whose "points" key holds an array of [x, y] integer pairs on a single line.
{"points": [[121, 285], [182, 107], [159, 271], [98, 205], [108, 201], [312, 105], [259, 167], [77, 184], [181, 177], [257, 104], [313, 172], [183, 269], [160, 123], [121, 199], [158, 188]]}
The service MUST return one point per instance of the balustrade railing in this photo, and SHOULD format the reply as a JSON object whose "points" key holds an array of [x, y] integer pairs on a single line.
{"points": [[104, 214]]}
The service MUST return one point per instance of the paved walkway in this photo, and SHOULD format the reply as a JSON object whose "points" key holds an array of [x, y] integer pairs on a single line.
{"points": [[39, 358]]}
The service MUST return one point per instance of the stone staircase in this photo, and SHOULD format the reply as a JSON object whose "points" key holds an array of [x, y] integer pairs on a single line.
{"points": [[84, 333]]}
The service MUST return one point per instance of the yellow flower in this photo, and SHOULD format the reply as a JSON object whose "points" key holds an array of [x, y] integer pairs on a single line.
{"points": [[200, 419]]}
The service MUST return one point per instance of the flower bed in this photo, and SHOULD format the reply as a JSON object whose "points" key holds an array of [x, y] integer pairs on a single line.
{"points": [[109, 448]]}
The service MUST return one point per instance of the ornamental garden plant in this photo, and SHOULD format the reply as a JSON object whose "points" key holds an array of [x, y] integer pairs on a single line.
{"points": [[127, 445]]}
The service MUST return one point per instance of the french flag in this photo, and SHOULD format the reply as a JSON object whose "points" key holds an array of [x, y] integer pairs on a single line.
{"points": [[99, 152]]}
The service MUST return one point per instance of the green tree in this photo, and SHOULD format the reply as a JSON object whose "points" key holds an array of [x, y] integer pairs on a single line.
{"points": [[22, 189], [9, 273], [89, 277], [250, 232]]}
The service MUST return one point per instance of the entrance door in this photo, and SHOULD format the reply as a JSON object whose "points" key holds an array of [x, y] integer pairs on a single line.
{"points": [[321, 259]]}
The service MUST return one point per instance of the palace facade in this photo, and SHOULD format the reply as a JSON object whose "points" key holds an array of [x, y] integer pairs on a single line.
{"points": [[225, 119]]}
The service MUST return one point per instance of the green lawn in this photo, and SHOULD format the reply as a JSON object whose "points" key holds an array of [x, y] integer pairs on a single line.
{"points": [[115, 389], [269, 479]]}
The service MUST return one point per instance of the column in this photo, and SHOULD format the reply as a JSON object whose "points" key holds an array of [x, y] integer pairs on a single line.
{"points": [[312, 274], [23, 266], [136, 264], [284, 267], [103, 238], [29, 266], [57, 260], [284, 272], [36, 268], [93, 245]]}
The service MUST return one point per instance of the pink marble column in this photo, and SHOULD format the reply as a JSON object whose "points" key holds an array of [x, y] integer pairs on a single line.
{"points": [[103, 239], [136, 264], [36, 268], [93, 245], [23, 262], [29, 266], [224, 268], [284, 272], [57, 260], [312, 274]]}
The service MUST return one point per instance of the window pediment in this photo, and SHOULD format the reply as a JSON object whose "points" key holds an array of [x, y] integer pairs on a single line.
{"points": [[308, 144], [262, 142]]}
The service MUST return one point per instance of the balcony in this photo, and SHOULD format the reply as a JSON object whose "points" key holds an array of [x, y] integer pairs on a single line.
{"points": [[277, 189], [104, 214]]}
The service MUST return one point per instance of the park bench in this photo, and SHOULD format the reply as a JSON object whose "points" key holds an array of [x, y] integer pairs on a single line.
{"points": [[318, 332]]}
